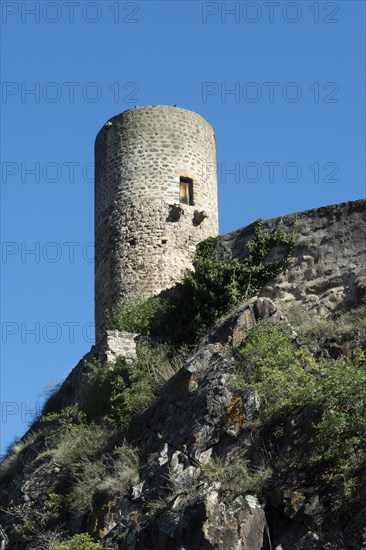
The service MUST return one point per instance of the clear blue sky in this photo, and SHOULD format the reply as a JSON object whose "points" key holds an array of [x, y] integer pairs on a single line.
{"points": [[293, 132]]}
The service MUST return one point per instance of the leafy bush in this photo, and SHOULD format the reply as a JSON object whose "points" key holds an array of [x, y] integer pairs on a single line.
{"points": [[81, 449], [30, 523], [315, 329], [53, 506], [217, 284], [339, 445], [236, 477], [83, 541], [13, 456], [25, 530], [65, 418], [133, 315], [286, 378], [87, 478], [118, 391], [283, 375], [68, 446], [112, 474], [154, 507]]}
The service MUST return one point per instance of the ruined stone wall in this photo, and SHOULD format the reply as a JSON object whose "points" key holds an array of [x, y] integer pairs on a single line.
{"points": [[116, 343], [327, 271], [144, 237]]}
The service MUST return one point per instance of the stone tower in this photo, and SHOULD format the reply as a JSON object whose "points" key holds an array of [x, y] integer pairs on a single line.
{"points": [[155, 199]]}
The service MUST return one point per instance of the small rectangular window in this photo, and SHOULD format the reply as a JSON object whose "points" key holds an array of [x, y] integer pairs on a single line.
{"points": [[186, 190]]}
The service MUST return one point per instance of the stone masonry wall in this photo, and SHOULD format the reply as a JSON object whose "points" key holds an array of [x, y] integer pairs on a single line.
{"points": [[328, 270], [144, 237], [116, 343]]}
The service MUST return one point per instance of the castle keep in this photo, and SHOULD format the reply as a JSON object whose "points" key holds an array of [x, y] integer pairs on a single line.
{"points": [[155, 199]]}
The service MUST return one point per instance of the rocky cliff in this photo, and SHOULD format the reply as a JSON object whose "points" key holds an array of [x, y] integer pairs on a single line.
{"points": [[252, 439]]}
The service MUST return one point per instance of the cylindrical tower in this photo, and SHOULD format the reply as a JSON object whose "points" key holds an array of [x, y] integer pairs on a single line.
{"points": [[155, 199]]}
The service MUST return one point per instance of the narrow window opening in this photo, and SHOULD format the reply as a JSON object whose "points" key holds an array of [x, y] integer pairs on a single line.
{"points": [[186, 190]]}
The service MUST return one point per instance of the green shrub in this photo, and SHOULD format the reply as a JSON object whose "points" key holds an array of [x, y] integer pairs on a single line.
{"points": [[13, 456], [118, 391], [25, 530], [215, 469], [69, 446], [315, 329], [83, 541], [111, 474], [53, 506], [283, 375], [86, 480], [339, 447], [286, 378], [236, 477], [154, 507], [34, 523], [133, 315], [65, 418], [217, 284], [257, 265], [243, 480]]}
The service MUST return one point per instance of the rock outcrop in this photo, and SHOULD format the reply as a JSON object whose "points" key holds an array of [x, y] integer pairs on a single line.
{"points": [[212, 471]]}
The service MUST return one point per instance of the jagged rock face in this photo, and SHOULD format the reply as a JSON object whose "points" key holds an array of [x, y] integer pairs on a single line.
{"points": [[328, 269], [210, 523], [198, 419], [202, 421], [233, 329]]}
